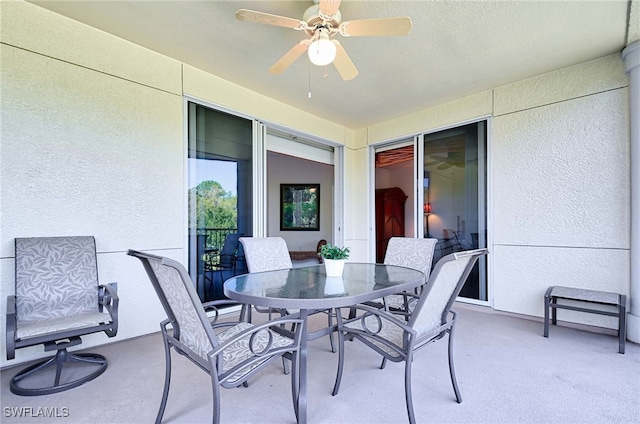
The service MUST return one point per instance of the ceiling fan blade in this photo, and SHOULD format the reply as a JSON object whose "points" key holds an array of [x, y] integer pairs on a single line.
{"points": [[444, 166], [440, 158], [268, 19], [343, 63], [373, 27], [289, 57], [329, 7]]}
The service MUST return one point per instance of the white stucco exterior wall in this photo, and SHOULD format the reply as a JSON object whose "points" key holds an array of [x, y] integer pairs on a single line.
{"points": [[561, 186], [89, 148]]}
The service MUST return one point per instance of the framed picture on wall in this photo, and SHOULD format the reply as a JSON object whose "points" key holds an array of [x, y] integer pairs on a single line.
{"points": [[299, 207]]}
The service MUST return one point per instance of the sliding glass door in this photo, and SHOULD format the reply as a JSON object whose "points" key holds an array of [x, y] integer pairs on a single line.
{"points": [[219, 196]]}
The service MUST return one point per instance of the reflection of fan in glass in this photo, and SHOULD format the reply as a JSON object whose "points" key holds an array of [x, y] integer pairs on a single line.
{"points": [[456, 159], [449, 150], [321, 22]]}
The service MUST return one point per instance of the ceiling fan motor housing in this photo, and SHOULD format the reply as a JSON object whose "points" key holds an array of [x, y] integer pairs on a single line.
{"points": [[313, 18]]}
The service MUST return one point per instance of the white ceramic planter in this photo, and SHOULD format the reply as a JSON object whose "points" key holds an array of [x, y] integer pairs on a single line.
{"points": [[334, 267]]}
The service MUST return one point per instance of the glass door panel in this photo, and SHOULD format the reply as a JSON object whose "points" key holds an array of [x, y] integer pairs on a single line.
{"points": [[219, 195], [454, 205]]}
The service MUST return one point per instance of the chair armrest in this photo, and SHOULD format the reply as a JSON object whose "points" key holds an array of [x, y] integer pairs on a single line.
{"points": [[379, 315], [108, 298], [409, 302], [372, 327], [259, 349], [11, 327], [214, 306], [255, 329]]}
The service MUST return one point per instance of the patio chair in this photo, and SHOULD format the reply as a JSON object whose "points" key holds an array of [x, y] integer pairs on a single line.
{"points": [[415, 253], [266, 253], [396, 339], [451, 241], [270, 254], [57, 300], [224, 259], [230, 352]]}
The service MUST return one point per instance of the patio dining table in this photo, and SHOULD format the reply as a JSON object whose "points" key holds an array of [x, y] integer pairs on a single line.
{"points": [[309, 289]]}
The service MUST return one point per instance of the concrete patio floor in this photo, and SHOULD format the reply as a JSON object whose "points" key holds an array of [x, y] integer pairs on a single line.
{"points": [[507, 373]]}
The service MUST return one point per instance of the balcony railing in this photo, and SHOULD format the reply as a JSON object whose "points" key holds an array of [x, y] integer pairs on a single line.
{"points": [[215, 236], [209, 273]]}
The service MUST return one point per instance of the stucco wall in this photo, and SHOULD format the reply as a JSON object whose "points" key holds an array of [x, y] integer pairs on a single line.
{"points": [[561, 186], [558, 181], [282, 169], [89, 148]]}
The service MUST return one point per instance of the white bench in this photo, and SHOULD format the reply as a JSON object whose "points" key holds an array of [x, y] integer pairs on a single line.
{"points": [[618, 301]]}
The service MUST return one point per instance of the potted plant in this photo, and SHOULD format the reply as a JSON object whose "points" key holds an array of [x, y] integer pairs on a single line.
{"points": [[334, 259]]}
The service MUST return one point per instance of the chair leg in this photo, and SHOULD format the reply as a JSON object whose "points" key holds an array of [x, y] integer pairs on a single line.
{"points": [[384, 363], [330, 323], [285, 366], [167, 380], [295, 382], [407, 388], [336, 386], [33, 369], [215, 386], [58, 360], [452, 371]]}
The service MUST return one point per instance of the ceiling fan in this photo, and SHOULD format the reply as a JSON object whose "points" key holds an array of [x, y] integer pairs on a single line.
{"points": [[321, 22]]}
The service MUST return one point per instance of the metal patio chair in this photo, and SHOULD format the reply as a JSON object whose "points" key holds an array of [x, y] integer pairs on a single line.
{"points": [[57, 300], [225, 259], [396, 339], [270, 254], [414, 253], [230, 352]]}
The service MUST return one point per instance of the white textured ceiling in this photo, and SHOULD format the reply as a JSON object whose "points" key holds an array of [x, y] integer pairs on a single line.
{"points": [[455, 48]]}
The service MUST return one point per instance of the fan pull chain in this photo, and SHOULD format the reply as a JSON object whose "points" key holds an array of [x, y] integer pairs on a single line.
{"points": [[309, 69]]}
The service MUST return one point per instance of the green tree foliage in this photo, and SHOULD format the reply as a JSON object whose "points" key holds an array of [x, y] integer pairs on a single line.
{"points": [[215, 207]]}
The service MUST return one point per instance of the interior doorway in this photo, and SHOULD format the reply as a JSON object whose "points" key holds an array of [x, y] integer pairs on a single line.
{"points": [[394, 195], [295, 161]]}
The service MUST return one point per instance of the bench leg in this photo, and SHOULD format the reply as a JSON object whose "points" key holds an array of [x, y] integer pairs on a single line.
{"points": [[546, 315], [622, 323]]}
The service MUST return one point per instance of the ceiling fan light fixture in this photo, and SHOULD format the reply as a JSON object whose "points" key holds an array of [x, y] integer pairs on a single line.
{"points": [[322, 51]]}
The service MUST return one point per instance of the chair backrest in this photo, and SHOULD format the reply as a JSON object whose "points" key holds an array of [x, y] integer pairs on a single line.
{"points": [[55, 277], [181, 303], [201, 246], [230, 244], [229, 248], [415, 253], [444, 285], [266, 253]]}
